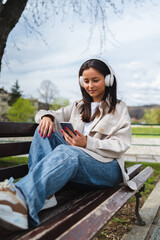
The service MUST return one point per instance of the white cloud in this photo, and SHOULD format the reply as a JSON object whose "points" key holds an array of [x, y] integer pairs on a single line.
{"points": [[134, 57]]}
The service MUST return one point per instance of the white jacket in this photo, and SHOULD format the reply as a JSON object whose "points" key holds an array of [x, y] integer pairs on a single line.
{"points": [[109, 137]]}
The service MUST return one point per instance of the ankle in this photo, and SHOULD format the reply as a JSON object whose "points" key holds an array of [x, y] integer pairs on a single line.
{"points": [[20, 193]]}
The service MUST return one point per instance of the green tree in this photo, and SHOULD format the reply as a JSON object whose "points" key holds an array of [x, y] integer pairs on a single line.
{"points": [[15, 93], [158, 115], [21, 111], [152, 116], [58, 103]]}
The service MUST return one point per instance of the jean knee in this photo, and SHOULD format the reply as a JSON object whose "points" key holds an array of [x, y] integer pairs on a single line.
{"points": [[67, 152], [64, 148]]}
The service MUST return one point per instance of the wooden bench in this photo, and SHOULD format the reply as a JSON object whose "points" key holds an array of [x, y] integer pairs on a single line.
{"points": [[81, 212]]}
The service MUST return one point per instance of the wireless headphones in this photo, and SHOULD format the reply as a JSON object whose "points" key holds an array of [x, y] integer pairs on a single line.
{"points": [[109, 79]]}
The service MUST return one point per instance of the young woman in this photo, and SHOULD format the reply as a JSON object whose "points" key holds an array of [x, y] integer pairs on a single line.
{"points": [[93, 156]]}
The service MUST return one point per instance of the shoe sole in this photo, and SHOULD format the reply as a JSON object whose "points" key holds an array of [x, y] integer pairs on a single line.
{"points": [[12, 220], [49, 203]]}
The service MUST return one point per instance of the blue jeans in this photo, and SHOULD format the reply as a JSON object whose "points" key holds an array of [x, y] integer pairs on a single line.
{"points": [[52, 163]]}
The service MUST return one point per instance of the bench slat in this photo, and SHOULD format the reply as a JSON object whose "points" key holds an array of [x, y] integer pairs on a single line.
{"points": [[95, 220], [15, 172], [14, 129], [13, 149], [134, 170], [60, 218], [80, 213]]}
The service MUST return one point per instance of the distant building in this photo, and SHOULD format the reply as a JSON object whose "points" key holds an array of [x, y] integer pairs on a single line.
{"points": [[38, 105], [34, 102], [42, 105], [4, 97]]}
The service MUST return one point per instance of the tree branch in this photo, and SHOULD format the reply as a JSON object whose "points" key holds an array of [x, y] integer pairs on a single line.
{"points": [[10, 12]]}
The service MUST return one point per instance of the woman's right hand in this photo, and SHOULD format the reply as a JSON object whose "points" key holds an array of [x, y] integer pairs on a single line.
{"points": [[46, 127]]}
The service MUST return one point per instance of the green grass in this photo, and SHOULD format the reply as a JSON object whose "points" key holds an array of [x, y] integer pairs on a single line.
{"points": [[150, 184], [12, 161], [147, 131]]}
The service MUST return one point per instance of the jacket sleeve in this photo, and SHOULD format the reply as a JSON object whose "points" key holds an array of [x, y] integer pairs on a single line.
{"points": [[115, 145], [62, 114]]}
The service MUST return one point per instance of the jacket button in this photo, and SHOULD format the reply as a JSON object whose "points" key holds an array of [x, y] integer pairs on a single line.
{"points": [[101, 129]]}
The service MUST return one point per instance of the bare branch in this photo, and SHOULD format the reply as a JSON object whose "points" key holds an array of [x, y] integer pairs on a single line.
{"points": [[47, 92], [37, 12]]}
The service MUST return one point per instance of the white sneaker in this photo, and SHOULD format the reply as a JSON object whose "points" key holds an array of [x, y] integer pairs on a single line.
{"points": [[13, 209], [50, 202]]}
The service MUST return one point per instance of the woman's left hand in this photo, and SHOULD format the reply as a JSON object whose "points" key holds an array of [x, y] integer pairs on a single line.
{"points": [[78, 140]]}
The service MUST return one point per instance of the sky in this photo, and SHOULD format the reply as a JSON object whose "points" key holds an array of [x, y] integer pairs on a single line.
{"points": [[131, 48]]}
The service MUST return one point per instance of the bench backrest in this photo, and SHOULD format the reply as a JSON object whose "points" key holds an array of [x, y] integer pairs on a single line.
{"points": [[14, 130], [16, 147]]}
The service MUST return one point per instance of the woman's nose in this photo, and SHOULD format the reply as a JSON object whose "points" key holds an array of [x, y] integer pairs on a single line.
{"points": [[91, 84]]}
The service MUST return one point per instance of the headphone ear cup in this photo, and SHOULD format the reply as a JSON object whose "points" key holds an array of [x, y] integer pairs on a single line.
{"points": [[81, 81], [111, 79], [107, 78]]}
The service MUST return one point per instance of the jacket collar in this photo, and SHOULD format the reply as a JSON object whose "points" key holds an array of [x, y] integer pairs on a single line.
{"points": [[97, 119]]}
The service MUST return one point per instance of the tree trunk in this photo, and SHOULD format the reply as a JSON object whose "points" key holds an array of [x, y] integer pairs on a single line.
{"points": [[10, 13]]}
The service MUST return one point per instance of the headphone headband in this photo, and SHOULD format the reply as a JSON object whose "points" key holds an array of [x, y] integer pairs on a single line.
{"points": [[109, 79]]}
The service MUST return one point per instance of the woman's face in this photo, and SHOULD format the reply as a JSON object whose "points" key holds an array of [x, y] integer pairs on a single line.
{"points": [[94, 84]]}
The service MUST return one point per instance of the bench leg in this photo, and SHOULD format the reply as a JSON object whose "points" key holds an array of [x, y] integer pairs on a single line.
{"points": [[139, 220]]}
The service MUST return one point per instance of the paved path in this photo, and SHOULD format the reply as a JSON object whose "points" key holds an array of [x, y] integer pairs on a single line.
{"points": [[144, 150]]}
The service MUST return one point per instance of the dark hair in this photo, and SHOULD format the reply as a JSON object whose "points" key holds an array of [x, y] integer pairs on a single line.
{"points": [[110, 92]]}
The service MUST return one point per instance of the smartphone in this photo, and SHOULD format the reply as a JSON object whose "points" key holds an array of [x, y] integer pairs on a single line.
{"points": [[68, 125]]}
